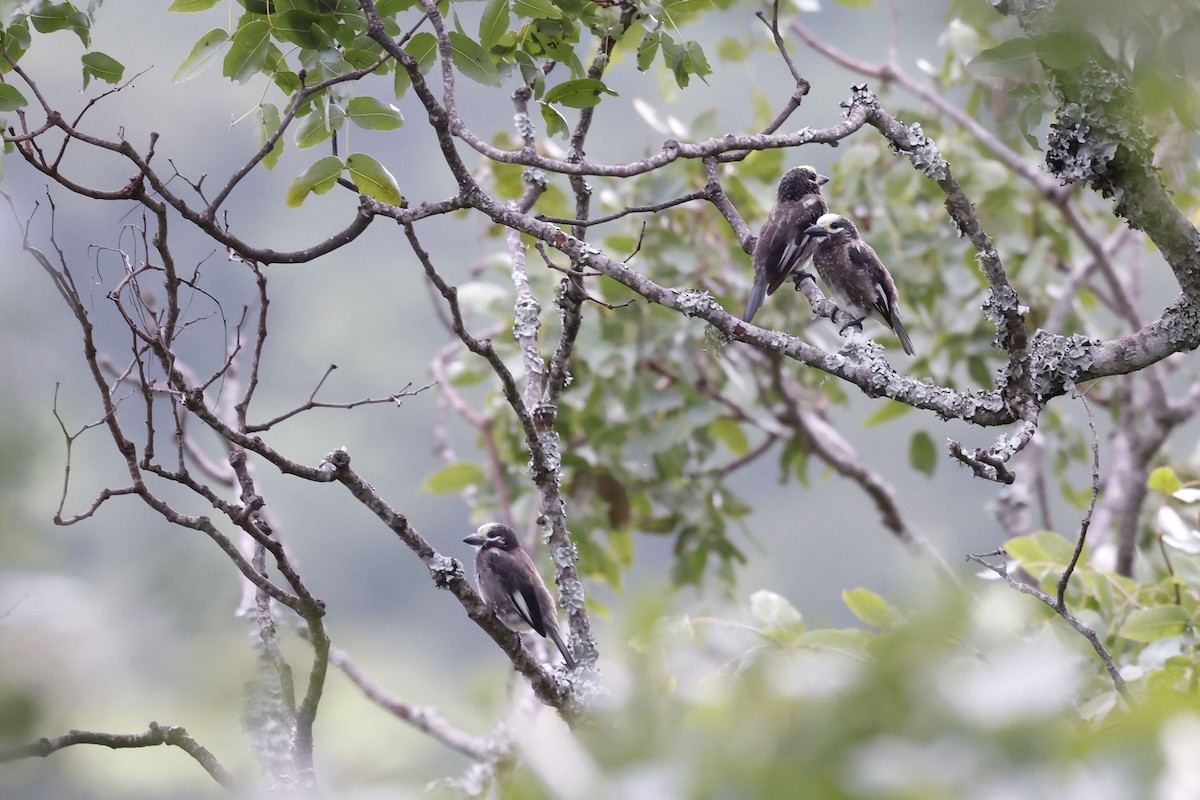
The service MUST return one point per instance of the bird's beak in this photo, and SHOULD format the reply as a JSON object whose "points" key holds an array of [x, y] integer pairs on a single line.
{"points": [[475, 540], [822, 180], [816, 230]]}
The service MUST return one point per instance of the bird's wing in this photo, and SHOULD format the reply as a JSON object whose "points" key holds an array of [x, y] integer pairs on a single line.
{"points": [[885, 300], [797, 246], [525, 601]]}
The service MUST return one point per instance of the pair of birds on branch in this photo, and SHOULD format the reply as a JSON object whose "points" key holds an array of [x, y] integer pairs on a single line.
{"points": [[798, 228]]}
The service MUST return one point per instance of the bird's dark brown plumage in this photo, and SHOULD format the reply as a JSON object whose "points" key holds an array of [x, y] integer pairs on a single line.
{"points": [[859, 282], [511, 586], [783, 245]]}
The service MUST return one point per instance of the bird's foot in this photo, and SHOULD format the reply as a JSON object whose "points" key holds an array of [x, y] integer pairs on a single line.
{"points": [[799, 278], [854, 323]]}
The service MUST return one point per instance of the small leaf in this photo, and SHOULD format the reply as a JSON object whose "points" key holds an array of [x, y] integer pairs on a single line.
{"points": [[887, 412], [423, 48], [582, 93], [778, 618], [453, 478], [536, 9], [248, 53], [300, 27], [730, 431], [647, 49], [201, 56], [472, 60], [191, 5], [1026, 549], [319, 125], [731, 50], [1164, 480], [373, 179], [374, 115], [555, 123], [50, 17], [104, 67], [1149, 624], [11, 98], [1011, 59], [1066, 49], [266, 122], [318, 179], [922, 452], [494, 23], [870, 607]]}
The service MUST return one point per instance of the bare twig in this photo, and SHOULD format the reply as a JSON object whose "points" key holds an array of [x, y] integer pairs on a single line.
{"points": [[155, 735]]}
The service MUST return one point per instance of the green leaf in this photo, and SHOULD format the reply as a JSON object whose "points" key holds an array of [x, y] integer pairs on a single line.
{"points": [[374, 115], [494, 23], [1056, 547], [674, 7], [1149, 624], [685, 60], [11, 98], [887, 412], [453, 478], [732, 50], [104, 67], [1164, 480], [582, 93], [555, 123], [302, 28], [856, 3], [192, 5], [472, 60], [248, 52], [318, 179], [777, 617], [870, 607], [373, 180], [14, 41], [1066, 49], [201, 56], [922, 452], [319, 125], [1026, 549], [1011, 59], [730, 431], [266, 122], [536, 9], [423, 48], [50, 17], [647, 49]]}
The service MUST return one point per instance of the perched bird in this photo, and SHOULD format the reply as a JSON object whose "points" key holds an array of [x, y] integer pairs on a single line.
{"points": [[857, 279], [783, 245], [511, 586]]}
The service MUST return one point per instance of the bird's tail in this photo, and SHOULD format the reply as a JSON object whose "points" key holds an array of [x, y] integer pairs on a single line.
{"points": [[553, 632], [757, 295], [905, 342]]}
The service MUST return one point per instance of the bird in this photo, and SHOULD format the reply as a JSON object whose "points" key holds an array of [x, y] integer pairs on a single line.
{"points": [[511, 586], [859, 282], [783, 246]]}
